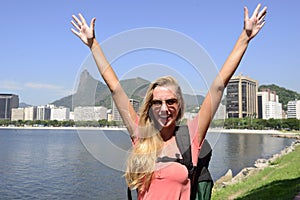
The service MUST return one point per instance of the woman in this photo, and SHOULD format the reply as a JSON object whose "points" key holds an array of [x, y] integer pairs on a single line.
{"points": [[153, 131]]}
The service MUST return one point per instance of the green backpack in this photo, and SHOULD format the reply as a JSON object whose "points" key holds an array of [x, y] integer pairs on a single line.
{"points": [[201, 180]]}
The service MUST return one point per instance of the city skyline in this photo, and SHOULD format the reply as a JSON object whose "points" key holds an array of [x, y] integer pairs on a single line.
{"points": [[42, 59], [49, 103]]}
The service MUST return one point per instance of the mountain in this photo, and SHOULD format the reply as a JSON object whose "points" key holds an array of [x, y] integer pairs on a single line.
{"points": [[284, 95], [91, 92], [23, 105]]}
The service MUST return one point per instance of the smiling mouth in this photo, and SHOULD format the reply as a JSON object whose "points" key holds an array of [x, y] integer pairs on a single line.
{"points": [[164, 119]]}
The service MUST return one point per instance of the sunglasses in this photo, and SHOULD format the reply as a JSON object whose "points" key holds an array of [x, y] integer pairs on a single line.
{"points": [[168, 102]]}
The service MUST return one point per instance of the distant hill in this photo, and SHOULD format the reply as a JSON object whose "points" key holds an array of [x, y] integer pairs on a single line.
{"points": [[24, 105], [284, 94], [91, 92]]}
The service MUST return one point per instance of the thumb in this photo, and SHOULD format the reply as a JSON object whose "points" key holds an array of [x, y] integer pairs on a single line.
{"points": [[92, 24]]}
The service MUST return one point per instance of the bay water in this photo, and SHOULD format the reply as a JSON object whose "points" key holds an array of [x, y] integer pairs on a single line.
{"points": [[80, 164]]}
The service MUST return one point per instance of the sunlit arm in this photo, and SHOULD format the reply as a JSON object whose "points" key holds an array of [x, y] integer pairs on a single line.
{"points": [[120, 98], [215, 93], [87, 35]]}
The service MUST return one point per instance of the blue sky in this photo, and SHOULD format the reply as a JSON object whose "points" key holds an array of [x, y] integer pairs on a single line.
{"points": [[41, 59]]}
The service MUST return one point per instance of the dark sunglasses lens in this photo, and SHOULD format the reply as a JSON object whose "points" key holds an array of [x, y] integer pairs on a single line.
{"points": [[157, 102], [171, 101]]}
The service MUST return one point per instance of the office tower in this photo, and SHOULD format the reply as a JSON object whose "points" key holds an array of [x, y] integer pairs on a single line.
{"points": [[7, 102], [241, 97], [43, 113]]}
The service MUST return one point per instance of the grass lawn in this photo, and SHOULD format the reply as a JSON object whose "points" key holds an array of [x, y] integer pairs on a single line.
{"points": [[281, 180]]}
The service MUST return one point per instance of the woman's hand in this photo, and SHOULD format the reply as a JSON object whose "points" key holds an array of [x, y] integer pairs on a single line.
{"points": [[256, 22], [83, 31]]}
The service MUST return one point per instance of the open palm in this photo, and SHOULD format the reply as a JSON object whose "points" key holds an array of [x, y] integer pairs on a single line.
{"points": [[256, 22], [83, 31]]}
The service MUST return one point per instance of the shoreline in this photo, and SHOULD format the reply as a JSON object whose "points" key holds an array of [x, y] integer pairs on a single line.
{"points": [[274, 133], [259, 164], [250, 131], [62, 128], [210, 130]]}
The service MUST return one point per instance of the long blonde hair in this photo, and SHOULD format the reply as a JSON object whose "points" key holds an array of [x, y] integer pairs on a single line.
{"points": [[141, 161]]}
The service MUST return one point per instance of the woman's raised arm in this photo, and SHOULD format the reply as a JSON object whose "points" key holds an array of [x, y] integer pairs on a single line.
{"points": [[87, 34], [211, 102]]}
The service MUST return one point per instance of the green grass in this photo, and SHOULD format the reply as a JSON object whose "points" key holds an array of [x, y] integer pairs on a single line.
{"points": [[281, 180]]}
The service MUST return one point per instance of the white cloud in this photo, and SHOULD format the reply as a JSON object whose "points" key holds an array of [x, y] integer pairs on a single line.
{"points": [[59, 90], [42, 86], [10, 85]]}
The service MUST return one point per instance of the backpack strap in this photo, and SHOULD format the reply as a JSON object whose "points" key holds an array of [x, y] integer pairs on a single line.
{"points": [[129, 197], [183, 141]]}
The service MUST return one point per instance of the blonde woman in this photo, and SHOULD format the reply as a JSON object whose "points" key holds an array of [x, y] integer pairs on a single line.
{"points": [[153, 132]]}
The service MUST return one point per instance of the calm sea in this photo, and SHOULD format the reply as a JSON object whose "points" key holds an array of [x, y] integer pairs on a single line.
{"points": [[72, 164]]}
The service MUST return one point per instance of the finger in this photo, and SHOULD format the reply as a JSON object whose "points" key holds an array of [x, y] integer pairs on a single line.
{"points": [[246, 13], [92, 24], [255, 13], [82, 18], [76, 20], [262, 24], [261, 20], [75, 25], [262, 13], [75, 32]]}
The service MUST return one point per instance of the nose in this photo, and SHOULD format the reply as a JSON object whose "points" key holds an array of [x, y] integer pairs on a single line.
{"points": [[164, 107]]}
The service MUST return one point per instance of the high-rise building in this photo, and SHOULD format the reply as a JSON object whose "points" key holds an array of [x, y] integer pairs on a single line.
{"points": [[115, 113], [43, 113], [268, 105], [7, 102], [241, 97], [293, 109]]}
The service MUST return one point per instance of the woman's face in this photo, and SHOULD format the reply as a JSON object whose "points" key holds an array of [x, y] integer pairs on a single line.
{"points": [[165, 106]]}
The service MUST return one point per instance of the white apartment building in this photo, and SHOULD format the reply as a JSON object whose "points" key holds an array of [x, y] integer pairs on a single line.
{"points": [[60, 113], [268, 105], [43, 113], [30, 113], [293, 109], [90, 113], [17, 114]]}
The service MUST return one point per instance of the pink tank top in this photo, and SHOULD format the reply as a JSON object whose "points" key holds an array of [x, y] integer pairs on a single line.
{"points": [[170, 179]]}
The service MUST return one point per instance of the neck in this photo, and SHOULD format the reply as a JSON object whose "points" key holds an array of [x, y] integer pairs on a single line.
{"points": [[167, 132]]}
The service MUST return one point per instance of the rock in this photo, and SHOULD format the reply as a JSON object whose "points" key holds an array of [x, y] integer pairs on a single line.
{"points": [[244, 173], [261, 163], [226, 178]]}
